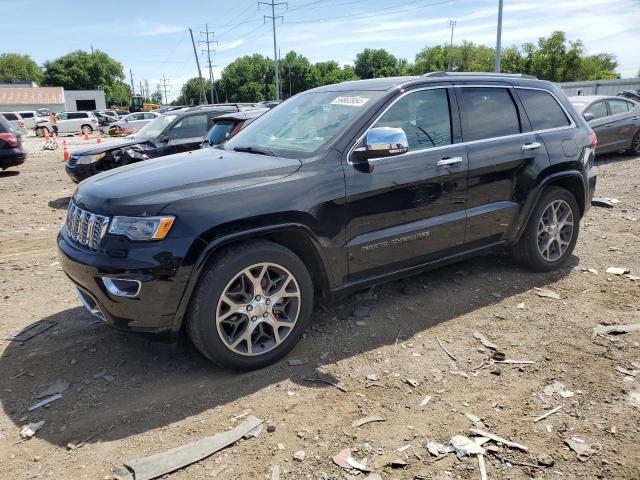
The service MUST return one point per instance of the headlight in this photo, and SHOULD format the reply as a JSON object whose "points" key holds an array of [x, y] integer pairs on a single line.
{"points": [[87, 159], [142, 228]]}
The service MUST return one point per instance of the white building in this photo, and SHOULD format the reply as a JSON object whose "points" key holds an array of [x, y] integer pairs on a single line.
{"points": [[56, 99]]}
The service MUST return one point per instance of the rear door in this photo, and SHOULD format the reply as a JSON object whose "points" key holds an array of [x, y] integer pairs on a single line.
{"points": [[501, 148], [410, 208]]}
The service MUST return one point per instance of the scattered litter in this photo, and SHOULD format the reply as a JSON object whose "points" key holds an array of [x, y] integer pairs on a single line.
{"points": [[498, 439], [498, 356], [603, 202], [624, 371], [299, 456], [617, 270], [404, 448], [162, 463], [436, 449], [541, 292], [44, 402], [546, 414], [472, 418], [567, 394], [373, 377], [59, 386], [398, 463], [365, 420], [520, 306], [294, 362], [425, 401], [485, 341], [275, 472], [411, 382], [516, 362], [592, 270], [481, 466], [545, 460], [33, 330], [445, 350], [30, 430], [607, 329], [18, 375], [75, 446], [633, 278], [344, 460], [459, 373], [328, 382], [464, 446], [553, 388], [583, 449], [255, 433]]}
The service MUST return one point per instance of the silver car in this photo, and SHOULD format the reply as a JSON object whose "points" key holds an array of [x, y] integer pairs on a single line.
{"points": [[132, 123], [15, 120], [615, 121]]}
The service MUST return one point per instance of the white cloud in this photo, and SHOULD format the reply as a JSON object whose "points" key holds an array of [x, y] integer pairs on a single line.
{"points": [[230, 45]]}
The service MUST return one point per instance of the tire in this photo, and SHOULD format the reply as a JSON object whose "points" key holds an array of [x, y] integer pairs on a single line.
{"points": [[221, 328], [40, 131], [635, 145], [530, 250], [86, 129]]}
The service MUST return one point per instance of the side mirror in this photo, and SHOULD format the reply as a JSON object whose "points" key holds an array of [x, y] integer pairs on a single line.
{"points": [[382, 142], [588, 116]]}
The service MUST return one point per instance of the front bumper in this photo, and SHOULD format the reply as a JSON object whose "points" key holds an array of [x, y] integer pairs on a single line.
{"points": [[78, 173], [161, 274]]}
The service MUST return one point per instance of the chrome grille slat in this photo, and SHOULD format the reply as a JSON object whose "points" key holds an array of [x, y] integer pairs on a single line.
{"points": [[84, 227]]}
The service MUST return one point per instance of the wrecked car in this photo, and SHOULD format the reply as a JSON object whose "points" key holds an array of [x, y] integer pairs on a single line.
{"points": [[177, 131]]}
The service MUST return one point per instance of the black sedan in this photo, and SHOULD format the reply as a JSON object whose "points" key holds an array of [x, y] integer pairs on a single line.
{"points": [[176, 131], [11, 152], [615, 120]]}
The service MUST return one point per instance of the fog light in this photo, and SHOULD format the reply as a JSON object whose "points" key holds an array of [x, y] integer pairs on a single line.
{"points": [[122, 287]]}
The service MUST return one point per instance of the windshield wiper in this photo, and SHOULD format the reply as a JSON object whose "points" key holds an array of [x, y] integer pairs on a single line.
{"points": [[257, 151]]}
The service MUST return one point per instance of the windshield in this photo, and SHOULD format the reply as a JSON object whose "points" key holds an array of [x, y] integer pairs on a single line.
{"points": [[304, 124], [154, 127], [220, 131]]}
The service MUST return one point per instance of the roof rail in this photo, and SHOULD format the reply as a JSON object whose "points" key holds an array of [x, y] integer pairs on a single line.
{"points": [[479, 74]]}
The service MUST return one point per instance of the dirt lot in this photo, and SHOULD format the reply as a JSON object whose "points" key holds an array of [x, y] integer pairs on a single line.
{"points": [[132, 396]]}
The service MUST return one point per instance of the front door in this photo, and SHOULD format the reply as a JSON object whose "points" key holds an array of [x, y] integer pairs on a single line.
{"points": [[601, 125], [186, 134], [409, 208]]}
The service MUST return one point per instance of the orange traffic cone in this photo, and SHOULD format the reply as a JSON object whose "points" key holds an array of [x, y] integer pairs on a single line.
{"points": [[65, 152], [98, 139]]}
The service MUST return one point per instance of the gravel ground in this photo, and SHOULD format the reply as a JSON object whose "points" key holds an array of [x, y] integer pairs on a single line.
{"points": [[132, 395]]}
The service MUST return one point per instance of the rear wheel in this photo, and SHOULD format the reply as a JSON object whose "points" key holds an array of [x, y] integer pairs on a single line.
{"points": [[635, 145], [86, 129], [40, 131], [251, 306], [551, 233]]}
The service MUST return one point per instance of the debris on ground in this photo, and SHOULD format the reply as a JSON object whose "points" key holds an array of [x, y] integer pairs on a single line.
{"points": [[437, 449], [624, 371], [411, 382], [294, 362], [44, 402], [59, 386], [373, 377], [609, 329], [603, 202], [545, 460], [541, 292], [30, 430], [495, 438], [328, 382], [33, 330], [369, 419], [445, 350], [545, 415], [617, 270], [162, 463], [299, 455], [344, 460], [583, 449], [464, 446], [485, 341], [425, 400]]}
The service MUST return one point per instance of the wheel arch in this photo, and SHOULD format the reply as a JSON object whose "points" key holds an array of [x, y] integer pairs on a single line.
{"points": [[296, 237]]}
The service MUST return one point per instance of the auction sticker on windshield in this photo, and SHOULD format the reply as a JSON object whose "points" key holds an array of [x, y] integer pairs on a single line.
{"points": [[352, 101]]}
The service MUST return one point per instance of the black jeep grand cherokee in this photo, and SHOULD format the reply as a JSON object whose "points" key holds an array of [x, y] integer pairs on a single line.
{"points": [[339, 187]]}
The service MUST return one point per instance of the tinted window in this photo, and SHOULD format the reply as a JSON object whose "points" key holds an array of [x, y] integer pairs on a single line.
{"points": [[26, 114], [10, 116], [618, 106], [487, 113], [598, 109], [149, 116], [542, 109], [220, 131], [76, 115], [424, 116], [189, 127]]}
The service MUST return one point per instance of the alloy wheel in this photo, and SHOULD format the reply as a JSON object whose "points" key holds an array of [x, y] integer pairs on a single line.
{"points": [[636, 144], [258, 309], [555, 230]]}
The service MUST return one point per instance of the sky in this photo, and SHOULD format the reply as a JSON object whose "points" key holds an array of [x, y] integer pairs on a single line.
{"points": [[151, 37]]}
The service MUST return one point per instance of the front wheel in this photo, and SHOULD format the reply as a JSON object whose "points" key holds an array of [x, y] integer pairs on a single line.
{"points": [[551, 233], [251, 306], [635, 145]]}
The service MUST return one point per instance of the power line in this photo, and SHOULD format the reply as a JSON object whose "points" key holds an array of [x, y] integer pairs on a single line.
{"points": [[273, 18], [214, 93]]}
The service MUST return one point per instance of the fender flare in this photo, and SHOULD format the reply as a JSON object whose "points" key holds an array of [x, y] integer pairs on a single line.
{"points": [[220, 242]]}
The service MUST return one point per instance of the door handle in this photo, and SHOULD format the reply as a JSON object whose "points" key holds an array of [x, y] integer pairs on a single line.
{"points": [[531, 146], [445, 162], [634, 118]]}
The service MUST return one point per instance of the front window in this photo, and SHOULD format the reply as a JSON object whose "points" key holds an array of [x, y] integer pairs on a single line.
{"points": [[598, 109], [189, 127], [304, 124], [155, 127]]}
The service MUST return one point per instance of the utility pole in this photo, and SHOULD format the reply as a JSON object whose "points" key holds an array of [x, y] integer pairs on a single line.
{"points": [[133, 90], [147, 94], [141, 91], [499, 36], [164, 85], [214, 93], [195, 53], [452, 24], [273, 18]]}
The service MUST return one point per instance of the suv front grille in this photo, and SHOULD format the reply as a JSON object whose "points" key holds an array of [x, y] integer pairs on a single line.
{"points": [[72, 161], [84, 227]]}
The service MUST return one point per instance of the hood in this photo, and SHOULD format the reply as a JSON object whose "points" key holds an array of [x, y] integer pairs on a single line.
{"points": [[144, 188], [107, 146]]}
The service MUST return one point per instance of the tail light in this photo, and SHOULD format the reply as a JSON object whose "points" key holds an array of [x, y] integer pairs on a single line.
{"points": [[93, 120], [21, 123], [10, 138], [594, 140]]}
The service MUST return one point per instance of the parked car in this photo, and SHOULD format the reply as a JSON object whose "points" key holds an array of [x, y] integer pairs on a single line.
{"points": [[337, 188], [11, 152], [30, 118], [103, 118], [69, 122], [226, 126], [131, 123], [172, 132], [15, 120], [632, 94], [615, 120]]}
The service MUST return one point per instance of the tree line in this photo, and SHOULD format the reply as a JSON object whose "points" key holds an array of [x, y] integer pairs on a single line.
{"points": [[251, 78]]}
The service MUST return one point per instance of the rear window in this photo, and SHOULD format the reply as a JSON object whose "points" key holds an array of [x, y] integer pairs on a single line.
{"points": [[487, 113], [76, 115], [543, 110], [10, 116], [618, 106], [220, 131], [27, 114]]}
